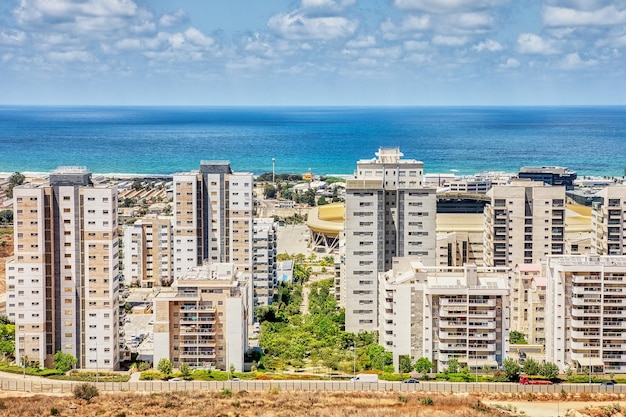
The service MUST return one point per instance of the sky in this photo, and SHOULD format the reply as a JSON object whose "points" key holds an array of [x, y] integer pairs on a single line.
{"points": [[313, 52]]}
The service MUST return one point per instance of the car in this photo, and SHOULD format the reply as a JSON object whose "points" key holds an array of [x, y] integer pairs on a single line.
{"points": [[151, 322], [607, 383], [236, 379], [411, 381], [175, 380]]}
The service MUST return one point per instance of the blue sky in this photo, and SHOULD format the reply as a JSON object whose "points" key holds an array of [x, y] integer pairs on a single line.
{"points": [[313, 52]]}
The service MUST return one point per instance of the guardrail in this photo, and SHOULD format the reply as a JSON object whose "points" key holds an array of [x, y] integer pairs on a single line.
{"points": [[46, 386]]}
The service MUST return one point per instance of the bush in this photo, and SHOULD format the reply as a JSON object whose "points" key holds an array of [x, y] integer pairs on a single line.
{"points": [[427, 401], [54, 411], [85, 391], [150, 375]]}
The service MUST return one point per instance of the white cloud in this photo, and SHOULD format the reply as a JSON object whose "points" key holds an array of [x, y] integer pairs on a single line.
{"points": [[565, 16], [573, 62], [297, 26], [327, 4], [173, 19], [446, 6], [416, 45], [488, 45], [69, 56], [529, 43], [411, 23], [12, 37], [450, 40], [510, 63], [362, 42], [472, 20], [197, 38]]}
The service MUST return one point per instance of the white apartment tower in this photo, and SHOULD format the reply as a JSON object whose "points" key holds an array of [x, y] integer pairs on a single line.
{"points": [[213, 217], [62, 283], [264, 261], [524, 223], [148, 255], [445, 313], [586, 295], [389, 213], [608, 221]]}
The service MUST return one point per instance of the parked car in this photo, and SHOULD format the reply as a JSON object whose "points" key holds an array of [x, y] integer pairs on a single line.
{"points": [[411, 381], [607, 383]]}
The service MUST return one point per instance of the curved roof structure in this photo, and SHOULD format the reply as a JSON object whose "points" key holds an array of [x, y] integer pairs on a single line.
{"points": [[327, 219]]}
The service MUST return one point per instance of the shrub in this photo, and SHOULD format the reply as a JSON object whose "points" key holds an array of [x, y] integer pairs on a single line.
{"points": [[427, 401], [85, 391], [226, 392], [54, 411]]}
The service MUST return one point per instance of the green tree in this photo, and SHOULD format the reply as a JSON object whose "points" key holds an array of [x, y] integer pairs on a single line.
{"points": [[322, 201], [128, 202], [453, 366], [14, 180], [185, 370], [6, 216], [269, 191], [423, 366], [301, 274], [511, 369], [165, 367], [549, 370], [64, 361], [7, 337], [517, 338], [531, 367]]}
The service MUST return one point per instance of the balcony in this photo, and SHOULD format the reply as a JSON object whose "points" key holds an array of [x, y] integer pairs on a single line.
{"points": [[483, 302], [482, 336], [609, 335], [193, 330], [199, 354], [585, 279], [585, 345], [482, 324], [452, 301], [452, 312], [585, 323], [192, 319], [452, 324], [615, 313], [442, 357], [585, 334], [482, 313], [614, 301], [585, 290], [614, 324], [452, 335], [584, 301]]}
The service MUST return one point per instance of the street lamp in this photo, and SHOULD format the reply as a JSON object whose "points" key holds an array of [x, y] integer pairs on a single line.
{"points": [[354, 369]]}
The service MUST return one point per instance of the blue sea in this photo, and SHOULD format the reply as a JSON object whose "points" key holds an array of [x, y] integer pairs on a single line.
{"points": [[323, 140]]}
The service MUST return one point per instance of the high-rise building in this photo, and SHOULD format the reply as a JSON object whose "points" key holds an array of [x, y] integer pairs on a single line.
{"points": [[264, 261], [213, 211], [445, 313], [608, 221], [586, 295], [550, 175], [389, 213], [62, 283], [201, 320], [524, 223], [148, 254]]}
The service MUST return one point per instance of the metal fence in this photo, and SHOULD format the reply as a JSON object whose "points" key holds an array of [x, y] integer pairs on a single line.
{"points": [[51, 386]]}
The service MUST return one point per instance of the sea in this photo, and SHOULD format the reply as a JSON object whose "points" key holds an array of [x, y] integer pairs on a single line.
{"points": [[320, 140]]}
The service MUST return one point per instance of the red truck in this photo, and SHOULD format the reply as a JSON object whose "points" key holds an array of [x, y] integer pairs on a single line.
{"points": [[524, 380]]}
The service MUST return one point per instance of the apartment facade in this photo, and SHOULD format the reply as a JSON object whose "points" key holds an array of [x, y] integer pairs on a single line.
{"points": [[528, 300], [201, 320], [459, 239], [389, 213], [213, 211], [445, 313], [585, 316], [148, 252], [264, 261], [62, 283], [608, 221], [524, 223]]}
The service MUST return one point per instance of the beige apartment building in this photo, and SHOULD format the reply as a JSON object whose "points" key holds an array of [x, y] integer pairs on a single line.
{"points": [[148, 253], [608, 221], [264, 263], [524, 223], [459, 239], [585, 312], [62, 283], [528, 300], [445, 313], [389, 213], [201, 319]]}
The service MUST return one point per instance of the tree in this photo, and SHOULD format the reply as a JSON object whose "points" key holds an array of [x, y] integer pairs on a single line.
{"points": [[517, 338], [322, 201], [64, 361], [15, 180], [165, 367], [423, 366], [453, 366], [185, 370], [531, 367], [269, 191], [549, 370], [6, 216], [404, 364], [511, 369]]}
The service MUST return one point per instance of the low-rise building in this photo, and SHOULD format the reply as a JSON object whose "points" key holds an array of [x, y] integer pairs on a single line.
{"points": [[585, 301], [201, 319], [445, 313]]}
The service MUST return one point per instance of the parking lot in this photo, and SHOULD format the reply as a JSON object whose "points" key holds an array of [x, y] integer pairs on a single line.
{"points": [[136, 331]]}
